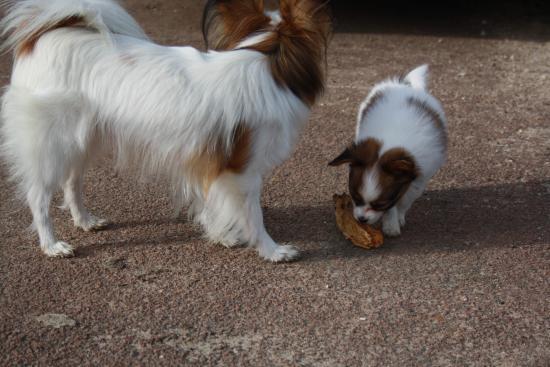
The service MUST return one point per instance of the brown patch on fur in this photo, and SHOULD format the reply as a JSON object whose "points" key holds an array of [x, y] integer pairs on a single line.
{"points": [[295, 47], [207, 165], [228, 22], [361, 156], [432, 114], [355, 182], [397, 170], [364, 153], [365, 156], [373, 101], [27, 46], [242, 146]]}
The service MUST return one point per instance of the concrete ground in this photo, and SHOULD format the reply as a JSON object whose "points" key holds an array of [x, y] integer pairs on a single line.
{"points": [[466, 283]]}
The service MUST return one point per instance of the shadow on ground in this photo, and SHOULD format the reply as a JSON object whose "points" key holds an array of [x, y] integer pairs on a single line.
{"points": [[454, 219], [447, 220]]}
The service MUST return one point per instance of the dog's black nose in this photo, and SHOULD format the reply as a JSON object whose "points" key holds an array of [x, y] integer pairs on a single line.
{"points": [[362, 219]]}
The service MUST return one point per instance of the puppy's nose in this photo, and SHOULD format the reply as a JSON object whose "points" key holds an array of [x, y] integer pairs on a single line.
{"points": [[362, 219]]}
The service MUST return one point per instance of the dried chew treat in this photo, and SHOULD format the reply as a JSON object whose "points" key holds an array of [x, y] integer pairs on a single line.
{"points": [[361, 235]]}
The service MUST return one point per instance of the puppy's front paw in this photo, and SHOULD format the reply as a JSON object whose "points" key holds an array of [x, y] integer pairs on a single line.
{"points": [[391, 228], [280, 254], [390, 223], [402, 220], [59, 249]]}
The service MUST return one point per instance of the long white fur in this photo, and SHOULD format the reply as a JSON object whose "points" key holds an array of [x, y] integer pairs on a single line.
{"points": [[25, 17], [397, 124], [84, 90]]}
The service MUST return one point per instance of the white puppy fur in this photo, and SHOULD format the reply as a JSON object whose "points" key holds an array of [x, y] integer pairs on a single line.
{"points": [[399, 126], [398, 114], [104, 86]]}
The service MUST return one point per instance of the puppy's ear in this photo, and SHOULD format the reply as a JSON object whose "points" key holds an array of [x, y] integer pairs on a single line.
{"points": [[418, 78], [400, 164], [345, 157]]}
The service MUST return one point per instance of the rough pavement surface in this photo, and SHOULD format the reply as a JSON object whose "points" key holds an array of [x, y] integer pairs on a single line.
{"points": [[466, 283]]}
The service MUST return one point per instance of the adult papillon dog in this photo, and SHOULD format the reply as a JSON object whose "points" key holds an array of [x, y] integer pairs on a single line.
{"points": [[86, 80]]}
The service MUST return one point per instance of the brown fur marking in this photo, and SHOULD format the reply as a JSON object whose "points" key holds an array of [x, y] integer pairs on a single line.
{"points": [[364, 153], [205, 167], [242, 146], [210, 163], [27, 46], [238, 20], [361, 157], [365, 156], [397, 170], [296, 46]]}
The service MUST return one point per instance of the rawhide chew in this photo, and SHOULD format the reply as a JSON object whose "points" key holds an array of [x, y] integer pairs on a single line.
{"points": [[361, 235]]}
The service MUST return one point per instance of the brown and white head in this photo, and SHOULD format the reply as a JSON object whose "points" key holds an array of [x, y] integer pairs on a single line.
{"points": [[376, 181]]}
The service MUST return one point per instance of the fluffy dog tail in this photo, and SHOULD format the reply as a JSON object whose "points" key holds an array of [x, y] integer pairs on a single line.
{"points": [[294, 38], [27, 20]]}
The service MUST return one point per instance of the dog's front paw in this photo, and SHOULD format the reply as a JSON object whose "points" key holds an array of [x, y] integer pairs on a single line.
{"points": [[280, 254], [391, 231], [390, 223], [402, 220], [59, 249], [93, 223], [391, 228]]}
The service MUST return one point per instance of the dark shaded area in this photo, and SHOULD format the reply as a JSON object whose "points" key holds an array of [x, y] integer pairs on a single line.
{"points": [[447, 220], [529, 20]]}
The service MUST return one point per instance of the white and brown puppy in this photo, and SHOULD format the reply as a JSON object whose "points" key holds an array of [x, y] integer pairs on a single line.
{"points": [[400, 143], [87, 80]]}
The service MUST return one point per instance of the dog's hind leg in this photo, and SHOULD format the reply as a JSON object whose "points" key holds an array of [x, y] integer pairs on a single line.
{"points": [[72, 190], [42, 137], [38, 198]]}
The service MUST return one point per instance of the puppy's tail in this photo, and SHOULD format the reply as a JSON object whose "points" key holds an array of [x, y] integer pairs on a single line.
{"points": [[27, 20], [294, 38], [418, 78]]}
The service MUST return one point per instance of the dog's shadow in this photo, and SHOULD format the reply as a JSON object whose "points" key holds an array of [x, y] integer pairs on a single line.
{"points": [[137, 233], [445, 220]]}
